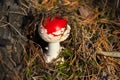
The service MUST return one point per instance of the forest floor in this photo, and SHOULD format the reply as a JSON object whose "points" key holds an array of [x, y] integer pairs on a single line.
{"points": [[92, 51]]}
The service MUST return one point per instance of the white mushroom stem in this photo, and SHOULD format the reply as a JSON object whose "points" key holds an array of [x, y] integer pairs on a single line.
{"points": [[53, 51]]}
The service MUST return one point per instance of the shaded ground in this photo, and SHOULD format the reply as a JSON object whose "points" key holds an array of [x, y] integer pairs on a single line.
{"points": [[92, 52]]}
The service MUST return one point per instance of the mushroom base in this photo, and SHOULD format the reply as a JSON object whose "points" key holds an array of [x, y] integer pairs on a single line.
{"points": [[53, 51]]}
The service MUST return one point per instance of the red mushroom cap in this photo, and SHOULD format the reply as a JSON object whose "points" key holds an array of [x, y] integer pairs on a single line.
{"points": [[54, 30], [54, 25]]}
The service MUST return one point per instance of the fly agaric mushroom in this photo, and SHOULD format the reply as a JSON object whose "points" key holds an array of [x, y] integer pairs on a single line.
{"points": [[54, 31]]}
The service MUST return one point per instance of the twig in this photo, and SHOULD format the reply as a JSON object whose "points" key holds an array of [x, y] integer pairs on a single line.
{"points": [[12, 12], [23, 10], [111, 54], [23, 37], [3, 25], [118, 1]]}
